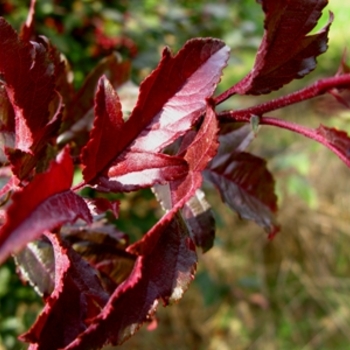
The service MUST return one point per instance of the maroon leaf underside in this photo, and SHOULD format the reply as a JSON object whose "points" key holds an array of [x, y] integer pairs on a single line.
{"points": [[236, 140], [286, 51], [77, 296], [247, 187], [163, 270], [44, 204], [36, 264], [337, 138], [171, 100]]}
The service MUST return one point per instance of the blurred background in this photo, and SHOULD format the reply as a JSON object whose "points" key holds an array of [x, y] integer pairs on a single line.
{"points": [[249, 293]]}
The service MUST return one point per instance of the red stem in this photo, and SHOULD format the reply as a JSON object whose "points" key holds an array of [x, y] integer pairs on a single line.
{"points": [[318, 88], [307, 132], [78, 186]]}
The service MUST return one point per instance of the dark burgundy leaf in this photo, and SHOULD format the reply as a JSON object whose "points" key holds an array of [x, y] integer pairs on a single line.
{"points": [[178, 89], [286, 51], [23, 162], [7, 116], [45, 203], [163, 270], [7, 124], [103, 246], [77, 296], [337, 138], [247, 187], [28, 77]]}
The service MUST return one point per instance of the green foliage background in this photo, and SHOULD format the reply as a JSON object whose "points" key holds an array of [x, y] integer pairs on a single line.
{"points": [[292, 293]]}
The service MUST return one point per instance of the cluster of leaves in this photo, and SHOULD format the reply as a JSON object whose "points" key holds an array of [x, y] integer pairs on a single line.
{"points": [[98, 288]]}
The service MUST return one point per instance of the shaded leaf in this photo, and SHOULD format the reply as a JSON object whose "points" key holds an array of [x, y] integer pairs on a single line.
{"points": [[200, 221], [36, 265], [49, 203], [103, 246], [163, 270], [236, 140], [77, 296], [286, 51], [247, 187]]}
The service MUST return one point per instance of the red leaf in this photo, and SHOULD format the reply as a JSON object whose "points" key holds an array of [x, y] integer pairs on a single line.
{"points": [[77, 296], [184, 191], [163, 271], [171, 99], [247, 187], [29, 81], [108, 122], [337, 138], [112, 66], [286, 51], [43, 204], [198, 154], [142, 169], [133, 171], [22, 163]]}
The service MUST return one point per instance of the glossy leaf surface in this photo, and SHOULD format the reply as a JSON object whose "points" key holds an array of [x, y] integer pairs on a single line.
{"points": [[287, 52]]}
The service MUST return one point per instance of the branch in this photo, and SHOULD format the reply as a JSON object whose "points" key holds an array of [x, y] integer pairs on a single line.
{"points": [[318, 88], [305, 131]]}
